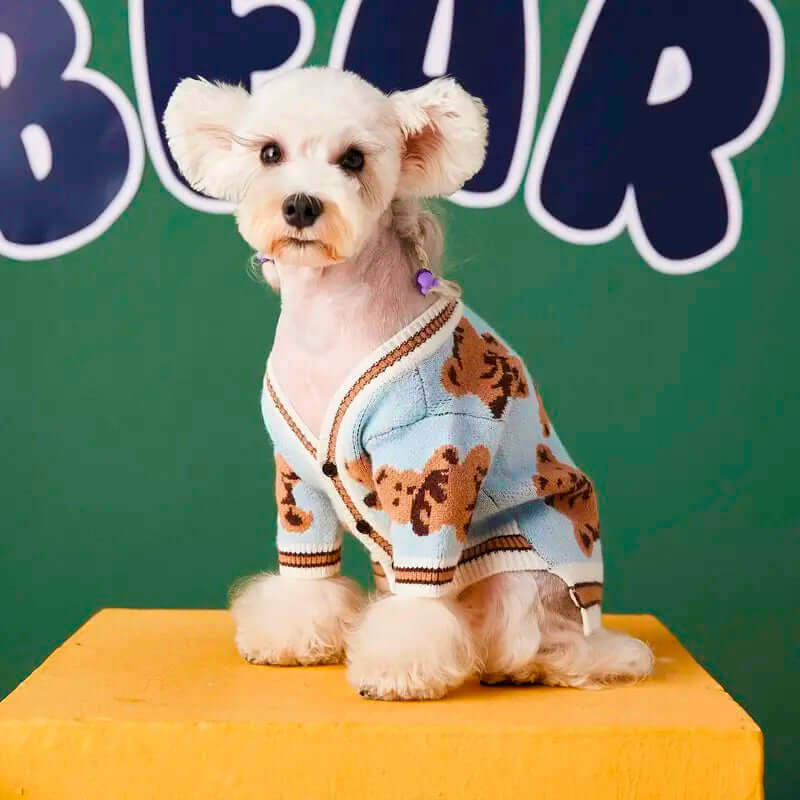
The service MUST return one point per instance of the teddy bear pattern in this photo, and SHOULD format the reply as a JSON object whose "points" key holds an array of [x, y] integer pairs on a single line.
{"points": [[443, 493], [483, 366], [445, 490], [569, 491], [293, 518]]}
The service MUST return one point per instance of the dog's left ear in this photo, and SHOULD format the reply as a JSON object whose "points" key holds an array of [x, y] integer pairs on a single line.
{"points": [[445, 132]]}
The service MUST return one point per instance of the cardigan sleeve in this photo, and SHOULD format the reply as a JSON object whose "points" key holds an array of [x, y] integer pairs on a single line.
{"points": [[427, 479], [309, 535]]}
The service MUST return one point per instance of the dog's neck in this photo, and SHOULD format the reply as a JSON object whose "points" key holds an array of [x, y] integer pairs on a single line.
{"points": [[331, 318]]}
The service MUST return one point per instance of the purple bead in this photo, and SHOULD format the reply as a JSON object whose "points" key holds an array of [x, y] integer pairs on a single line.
{"points": [[426, 280], [264, 259]]}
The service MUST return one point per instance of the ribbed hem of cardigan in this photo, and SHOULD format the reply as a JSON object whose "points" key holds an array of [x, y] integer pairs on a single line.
{"points": [[493, 563], [314, 564], [467, 573], [311, 573]]}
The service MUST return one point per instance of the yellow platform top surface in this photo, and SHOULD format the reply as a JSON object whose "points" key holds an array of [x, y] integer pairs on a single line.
{"points": [[181, 665], [147, 705]]}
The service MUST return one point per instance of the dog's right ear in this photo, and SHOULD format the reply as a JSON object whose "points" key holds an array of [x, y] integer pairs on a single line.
{"points": [[445, 132], [200, 120]]}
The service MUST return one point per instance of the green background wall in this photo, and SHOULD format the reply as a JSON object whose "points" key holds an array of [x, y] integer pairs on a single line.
{"points": [[135, 470]]}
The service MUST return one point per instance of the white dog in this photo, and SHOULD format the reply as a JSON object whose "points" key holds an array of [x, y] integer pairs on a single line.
{"points": [[396, 412]]}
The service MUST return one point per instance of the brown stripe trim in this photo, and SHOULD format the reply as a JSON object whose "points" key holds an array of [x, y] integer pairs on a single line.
{"points": [[373, 372], [326, 559], [289, 421], [587, 594], [496, 545], [432, 576]]}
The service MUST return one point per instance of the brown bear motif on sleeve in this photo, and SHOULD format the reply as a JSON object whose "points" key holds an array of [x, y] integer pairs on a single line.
{"points": [[483, 366], [444, 493], [566, 489], [293, 518]]}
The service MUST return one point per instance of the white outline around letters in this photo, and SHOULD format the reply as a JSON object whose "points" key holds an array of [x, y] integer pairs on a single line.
{"points": [[437, 51], [628, 214], [76, 70], [141, 80], [527, 119]]}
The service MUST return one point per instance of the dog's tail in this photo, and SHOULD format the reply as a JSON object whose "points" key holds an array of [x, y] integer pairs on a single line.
{"points": [[567, 657], [551, 648]]}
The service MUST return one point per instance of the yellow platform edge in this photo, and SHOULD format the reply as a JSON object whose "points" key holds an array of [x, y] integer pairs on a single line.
{"points": [[156, 704]]}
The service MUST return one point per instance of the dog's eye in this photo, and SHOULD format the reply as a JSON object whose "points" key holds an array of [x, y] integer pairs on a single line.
{"points": [[352, 160], [271, 153]]}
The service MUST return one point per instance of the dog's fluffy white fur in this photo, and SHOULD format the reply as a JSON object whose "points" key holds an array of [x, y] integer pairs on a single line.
{"points": [[411, 648], [421, 143], [291, 621], [529, 631], [346, 285]]}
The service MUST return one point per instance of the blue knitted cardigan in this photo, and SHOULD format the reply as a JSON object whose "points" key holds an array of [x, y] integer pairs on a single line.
{"points": [[438, 455]]}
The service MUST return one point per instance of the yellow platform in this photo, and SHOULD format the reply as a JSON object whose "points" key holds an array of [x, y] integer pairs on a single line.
{"points": [[157, 704]]}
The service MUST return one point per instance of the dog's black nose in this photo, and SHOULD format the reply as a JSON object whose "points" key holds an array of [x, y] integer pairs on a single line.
{"points": [[301, 210]]}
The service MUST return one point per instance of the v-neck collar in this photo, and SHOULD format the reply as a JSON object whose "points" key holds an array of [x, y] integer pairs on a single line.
{"points": [[288, 411], [400, 346]]}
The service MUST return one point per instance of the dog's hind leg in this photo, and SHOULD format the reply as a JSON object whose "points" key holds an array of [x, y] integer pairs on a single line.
{"points": [[531, 631], [503, 610]]}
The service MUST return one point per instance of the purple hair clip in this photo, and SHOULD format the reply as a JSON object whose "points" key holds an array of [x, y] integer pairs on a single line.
{"points": [[426, 281]]}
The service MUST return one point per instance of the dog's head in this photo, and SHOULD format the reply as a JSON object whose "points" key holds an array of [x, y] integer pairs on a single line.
{"points": [[315, 156]]}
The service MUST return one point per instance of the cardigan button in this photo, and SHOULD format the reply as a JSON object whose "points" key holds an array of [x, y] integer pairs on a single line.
{"points": [[362, 526], [329, 469]]}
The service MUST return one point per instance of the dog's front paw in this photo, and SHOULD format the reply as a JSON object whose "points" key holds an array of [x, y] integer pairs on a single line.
{"points": [[288, 621], [410, 649]]}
